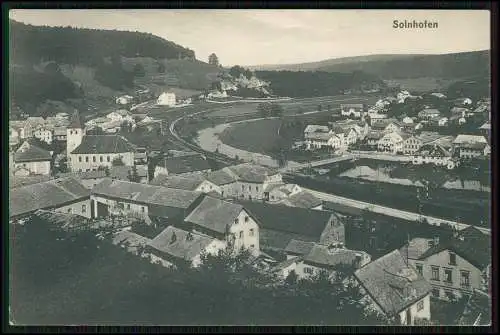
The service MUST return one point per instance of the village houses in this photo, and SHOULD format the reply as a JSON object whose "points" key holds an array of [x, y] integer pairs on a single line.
{"points": [[394, 288], [91, 152], [66, 195], [31, 159], [455, 267], [352, 110], [471, 146], [392, 143], [166, 99], [434, 153]]}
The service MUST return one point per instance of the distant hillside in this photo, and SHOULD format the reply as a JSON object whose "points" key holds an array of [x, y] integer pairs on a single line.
{"points": [[56, 63], [457, 65]]}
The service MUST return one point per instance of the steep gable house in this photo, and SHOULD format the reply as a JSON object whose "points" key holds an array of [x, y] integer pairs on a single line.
{"points": [[395, 289], [280, 224], [66, 195]]}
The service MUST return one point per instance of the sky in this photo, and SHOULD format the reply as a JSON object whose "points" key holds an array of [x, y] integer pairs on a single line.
{"points": [[257, 37]]}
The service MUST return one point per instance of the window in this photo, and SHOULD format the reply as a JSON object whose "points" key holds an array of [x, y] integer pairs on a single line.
{"points": [[420, 306], [465, 279], [241, 234], [84, 208], [246, 218], [143, 209], [236, 221], [308, 270], [251, 232], [430, 243], [453, 259], [435, 292], [448, 275], [128, 206], [108, 159], [252, 246], [257, 188], [80, 159], [434, 272], [93, 159], [419, 268], [86, 159], [101, 159]]}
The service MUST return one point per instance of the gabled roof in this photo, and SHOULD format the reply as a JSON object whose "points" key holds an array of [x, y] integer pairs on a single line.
{"points": [[178, 182], [176, 243], [311, 128], [19, 181], [222, 177], [373, 135], [132, 241], [278, 240], [302, 221], [320, 136], [214, 214], [49, 194], [323, 256], [391, 283], [298, 247], [352, 105], [63, 221], [433, 150], [185, 164], [31, 153], [303, 199], [475, 251], [144, 193], [104, 144], [416, 248], [469, 139], [251, 173]]}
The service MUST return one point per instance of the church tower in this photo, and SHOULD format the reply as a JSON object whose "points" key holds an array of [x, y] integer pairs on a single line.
{"points": [[74, 134]]}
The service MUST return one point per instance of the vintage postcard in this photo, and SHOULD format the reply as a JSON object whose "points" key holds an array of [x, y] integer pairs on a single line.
{"points": [[236, 167]]}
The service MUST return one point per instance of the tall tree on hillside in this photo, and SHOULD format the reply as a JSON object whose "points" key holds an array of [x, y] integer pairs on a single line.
{"points": [[213, 60]]}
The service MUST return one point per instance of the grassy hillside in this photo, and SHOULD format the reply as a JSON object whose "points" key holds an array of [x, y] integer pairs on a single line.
{"points": [[457, 65]]}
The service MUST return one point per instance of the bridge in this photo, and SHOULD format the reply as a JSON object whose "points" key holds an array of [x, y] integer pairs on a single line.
{"points": [[298, 166]]}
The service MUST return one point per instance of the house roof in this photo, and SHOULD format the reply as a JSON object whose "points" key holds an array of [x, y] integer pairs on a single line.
{"points": [[180, 246], [428, 136], [144, 193], [324, 256], [31, 153], [462, 138], [311, 128], [486, 126], [320, 136], [278, 240], [416, 247], [428, 112], [298, 247], [476, 146], [222, 177], [19, 181], [475, 251], [351, 106], [49, 194], [178, 182], [433, 150], [214, 214], [302, 221], [477, 310], [84, 174], [103, 144], [391, 283], [122, 172], [132, 241], [286, 263], [251, 173], [75, 121], [303, 199], [185, 164], [374, 135]]}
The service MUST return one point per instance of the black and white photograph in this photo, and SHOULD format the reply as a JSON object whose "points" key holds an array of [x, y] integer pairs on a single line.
{"points": [[249, 167]]}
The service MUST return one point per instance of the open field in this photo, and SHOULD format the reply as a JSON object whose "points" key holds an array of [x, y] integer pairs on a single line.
{"points": [[256, 136]]}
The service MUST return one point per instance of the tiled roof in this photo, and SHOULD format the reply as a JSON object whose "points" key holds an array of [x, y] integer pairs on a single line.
{"points": [[49, 194], [84, 174], [132, 241], [144, 193], [185, 164], [469, 138], [251, 172], [311, 128], [476, 146], [391, 283], [222, 177], [303, 199], [375, 135], [214, 214], [351, 106], [278, 240], [320, 136], [416, 248], [302, 221], [178, 182], [286, 263], [298, 247], [19, 181], [476, 251], [329, 257], [180, 246], [31, 153], [103, 144]]}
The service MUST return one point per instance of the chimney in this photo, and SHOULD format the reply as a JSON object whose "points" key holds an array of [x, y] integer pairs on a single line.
{"points": [[173, 238]]}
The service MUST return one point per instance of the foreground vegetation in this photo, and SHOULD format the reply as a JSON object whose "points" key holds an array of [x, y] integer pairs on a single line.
{"points": [[58, 278]]}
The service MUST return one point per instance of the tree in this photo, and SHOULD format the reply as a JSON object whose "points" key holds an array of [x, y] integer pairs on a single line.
{"points": [[118, 161], [213, 59]]}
